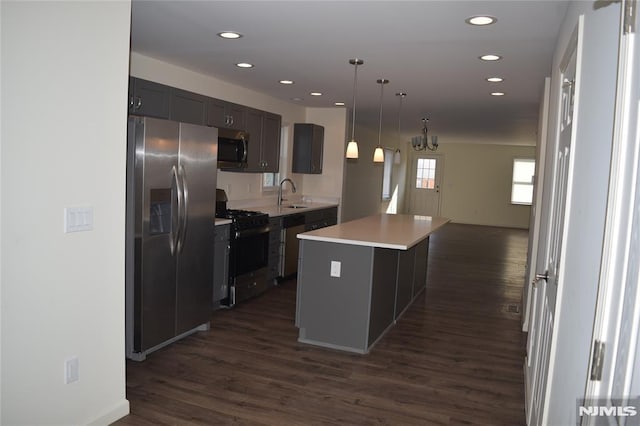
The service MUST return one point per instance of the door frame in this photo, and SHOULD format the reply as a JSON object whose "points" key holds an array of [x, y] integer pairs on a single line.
{"points": [[617, 317]]}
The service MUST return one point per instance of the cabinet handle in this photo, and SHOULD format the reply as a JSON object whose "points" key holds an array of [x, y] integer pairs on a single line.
{"points": [[231, 120], [136, 102]]}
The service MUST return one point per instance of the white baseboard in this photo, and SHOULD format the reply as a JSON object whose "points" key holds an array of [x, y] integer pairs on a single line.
{"points": [[119, 411]]}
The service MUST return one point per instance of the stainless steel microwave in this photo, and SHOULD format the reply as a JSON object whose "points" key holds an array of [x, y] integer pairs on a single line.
{"points": [[233, 148]]}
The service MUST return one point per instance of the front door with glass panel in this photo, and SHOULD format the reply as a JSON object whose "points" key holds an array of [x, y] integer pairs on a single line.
{"points": [[425, 184]]}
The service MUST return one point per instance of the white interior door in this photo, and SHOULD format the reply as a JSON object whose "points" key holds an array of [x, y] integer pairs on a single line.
{"points": [[425, 185], [536, 205], [618, 308], [548, 269]]}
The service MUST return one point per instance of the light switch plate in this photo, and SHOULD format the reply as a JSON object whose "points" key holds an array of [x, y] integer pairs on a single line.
{"points": [[71, 370], [335, 268], [78, 219]]}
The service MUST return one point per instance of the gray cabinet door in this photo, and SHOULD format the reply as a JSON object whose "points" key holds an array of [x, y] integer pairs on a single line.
{"points": [[420, 273], [308, 145], [188, 107], [264, 141], [270, 147], [223, 114], [275, 248], [221, 263], [404, 282], [216, 116], [148, 98], [254, 128]]}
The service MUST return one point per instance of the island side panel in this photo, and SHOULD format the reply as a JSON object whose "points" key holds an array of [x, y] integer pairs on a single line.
{"points": [[420, 275], [334, 311]]}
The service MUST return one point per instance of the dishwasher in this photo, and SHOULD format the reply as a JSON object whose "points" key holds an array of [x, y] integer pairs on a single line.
{"points": [[292, 225]]}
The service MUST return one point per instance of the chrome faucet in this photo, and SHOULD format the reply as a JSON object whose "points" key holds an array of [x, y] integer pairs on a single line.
{"points": [[293, 189]]}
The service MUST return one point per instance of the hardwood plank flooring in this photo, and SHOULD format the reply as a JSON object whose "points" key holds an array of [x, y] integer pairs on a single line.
{"points": [[455, 357]]}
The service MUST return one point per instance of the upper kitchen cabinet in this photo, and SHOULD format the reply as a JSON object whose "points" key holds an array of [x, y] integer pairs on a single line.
{"points": [[188, 107], [308, 142], [264, 141], [223, 114], [148, 98]]}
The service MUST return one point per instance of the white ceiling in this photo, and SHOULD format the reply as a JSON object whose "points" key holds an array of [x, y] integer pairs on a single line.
{"points": [[424, 48]]}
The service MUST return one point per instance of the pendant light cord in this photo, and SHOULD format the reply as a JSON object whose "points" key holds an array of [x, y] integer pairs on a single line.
{"points": [[382, 82], [401, 95], [356, 62], [380, 118]]}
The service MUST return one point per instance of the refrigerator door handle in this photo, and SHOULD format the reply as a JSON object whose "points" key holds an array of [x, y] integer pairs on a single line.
{"points": [[185, 207], [175, 234]]}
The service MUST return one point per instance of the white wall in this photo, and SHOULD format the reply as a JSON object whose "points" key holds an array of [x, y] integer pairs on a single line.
{"points": [[328, 185], [577, 290], [476, 184], [362, 195], [64, 96]]}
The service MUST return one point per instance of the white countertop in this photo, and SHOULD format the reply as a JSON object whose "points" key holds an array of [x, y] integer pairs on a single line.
{"points": [[283, 210], [394, 231], [220, 221]]}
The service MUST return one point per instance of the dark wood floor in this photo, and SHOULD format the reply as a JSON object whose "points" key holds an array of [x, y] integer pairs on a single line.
{"points": [[455, 357]]}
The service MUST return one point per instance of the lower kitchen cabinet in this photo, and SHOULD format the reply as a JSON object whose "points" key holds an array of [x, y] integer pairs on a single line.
{"points": [[221, 263], [275, 249], [316, 219]]}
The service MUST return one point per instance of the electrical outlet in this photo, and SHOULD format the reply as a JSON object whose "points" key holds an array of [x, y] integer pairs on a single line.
{"points": [[71, 370], [335, 268]]}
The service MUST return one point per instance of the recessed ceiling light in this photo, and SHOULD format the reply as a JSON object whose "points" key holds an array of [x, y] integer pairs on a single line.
{"points": [[286, 82], [297, 99], [497, 94], [244, 65], [481, 20], [495, 79], [338, 103], [315, 93], [490, 57], [229, 35]]}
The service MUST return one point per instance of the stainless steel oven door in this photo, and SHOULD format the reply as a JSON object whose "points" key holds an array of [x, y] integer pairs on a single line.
{"points": [[249, 251]]}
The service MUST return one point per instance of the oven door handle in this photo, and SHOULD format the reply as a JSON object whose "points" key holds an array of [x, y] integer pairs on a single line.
{"points": [[244, 233]]}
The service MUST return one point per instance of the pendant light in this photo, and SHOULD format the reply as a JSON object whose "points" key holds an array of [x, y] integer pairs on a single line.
{"points": [[396, 155], [352, 146], [378, 154]]}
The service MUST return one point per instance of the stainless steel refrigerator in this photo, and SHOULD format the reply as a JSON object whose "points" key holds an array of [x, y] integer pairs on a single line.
{"points": [[171, 194]]}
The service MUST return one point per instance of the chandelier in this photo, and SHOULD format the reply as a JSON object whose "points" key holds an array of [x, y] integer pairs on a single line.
{"points": [[421, 142]]}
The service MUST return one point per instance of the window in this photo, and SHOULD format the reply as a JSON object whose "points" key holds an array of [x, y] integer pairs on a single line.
{"points": [[270, 180], [522, 182], [426, 173], [386, 174]]}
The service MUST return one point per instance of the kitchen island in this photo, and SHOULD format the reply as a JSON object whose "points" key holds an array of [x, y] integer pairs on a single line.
{"points": [[356, 279]]}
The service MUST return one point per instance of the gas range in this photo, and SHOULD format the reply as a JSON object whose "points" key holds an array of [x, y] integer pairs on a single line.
{"points": [[244, 219]]}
